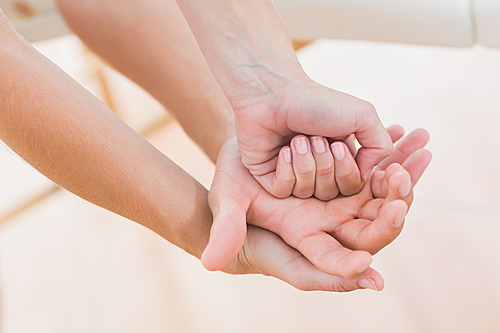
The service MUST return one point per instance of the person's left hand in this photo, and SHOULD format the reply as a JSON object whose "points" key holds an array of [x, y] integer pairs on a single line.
{"points": [[361, 223]]}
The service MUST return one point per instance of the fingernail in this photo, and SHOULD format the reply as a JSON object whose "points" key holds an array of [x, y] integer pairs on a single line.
{"points": [[301, 145], [318, 144], [287, 155], [338, 151], [399, 220], [405, 189], [368, 284]]}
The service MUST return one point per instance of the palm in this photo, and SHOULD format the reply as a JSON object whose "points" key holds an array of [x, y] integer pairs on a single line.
{"points": [[324, 233], [308, 225]]}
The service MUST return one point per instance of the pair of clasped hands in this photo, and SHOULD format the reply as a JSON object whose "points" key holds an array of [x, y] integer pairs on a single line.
{"points": [[316, 207]]}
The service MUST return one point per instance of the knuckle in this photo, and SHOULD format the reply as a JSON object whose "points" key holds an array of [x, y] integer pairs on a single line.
{"points": [[350, 190], [368, 107], [286, 179], [341, 288], [325, 169], [306, 171], [326, 196], [388, 149], [345, 176], [303, 193]]}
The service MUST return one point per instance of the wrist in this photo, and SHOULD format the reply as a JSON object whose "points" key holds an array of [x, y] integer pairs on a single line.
{"points": [[277, 90], [185, 220], [245, 44]]}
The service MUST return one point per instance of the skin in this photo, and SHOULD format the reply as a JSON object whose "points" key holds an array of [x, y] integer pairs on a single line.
{"points": [[338, 236], [263, 251], [164, 51], [250, 54], [321, 169]]}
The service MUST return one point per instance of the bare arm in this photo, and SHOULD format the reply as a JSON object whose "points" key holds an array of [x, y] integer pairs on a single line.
{"points": [[160, 53], [75, 140], [250, 53], [72, 138]]}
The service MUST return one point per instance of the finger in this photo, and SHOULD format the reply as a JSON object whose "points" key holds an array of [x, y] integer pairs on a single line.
{"points": [[396, 132], [399, 183], [375, 141], [274, 257], [379, 184], [304, 167], [266, 180], [393, 184], [417, 163], [347, 173], [284, 178], [411, 143], [326, 187], [350, 142], [227, 234], [327, 254], [371, 209], [374, 235]]}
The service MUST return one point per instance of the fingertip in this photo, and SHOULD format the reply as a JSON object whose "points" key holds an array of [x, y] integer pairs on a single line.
{"points": [[286, 153], [318, 144], [368, 284], [304, 167], [209, 260], [355, 264], [338, 150], [417, 163], [396, 132], [392, 169], [400, 181], [283, 180], [226, 240], [372, 283], [422, 133], [300, 144]]}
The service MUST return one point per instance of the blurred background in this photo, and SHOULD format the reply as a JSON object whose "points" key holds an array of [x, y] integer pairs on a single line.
{"points": [[69, 266]]}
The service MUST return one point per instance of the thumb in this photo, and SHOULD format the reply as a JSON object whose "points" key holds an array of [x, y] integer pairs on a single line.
{"points": [[333, 114], [228, 232]]}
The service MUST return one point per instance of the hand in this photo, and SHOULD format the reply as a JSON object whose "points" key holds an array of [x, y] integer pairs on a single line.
{"points": [[265, 253], [266, 123], [306, 224]]}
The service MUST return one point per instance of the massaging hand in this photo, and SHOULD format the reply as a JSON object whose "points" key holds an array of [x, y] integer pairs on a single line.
{"points": [[337, 237], [250, 53], [300, 106]]}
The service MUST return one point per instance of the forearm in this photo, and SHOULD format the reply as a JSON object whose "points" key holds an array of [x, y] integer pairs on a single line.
{"points": [[150, 42], [69, 136], [245, 43]]}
